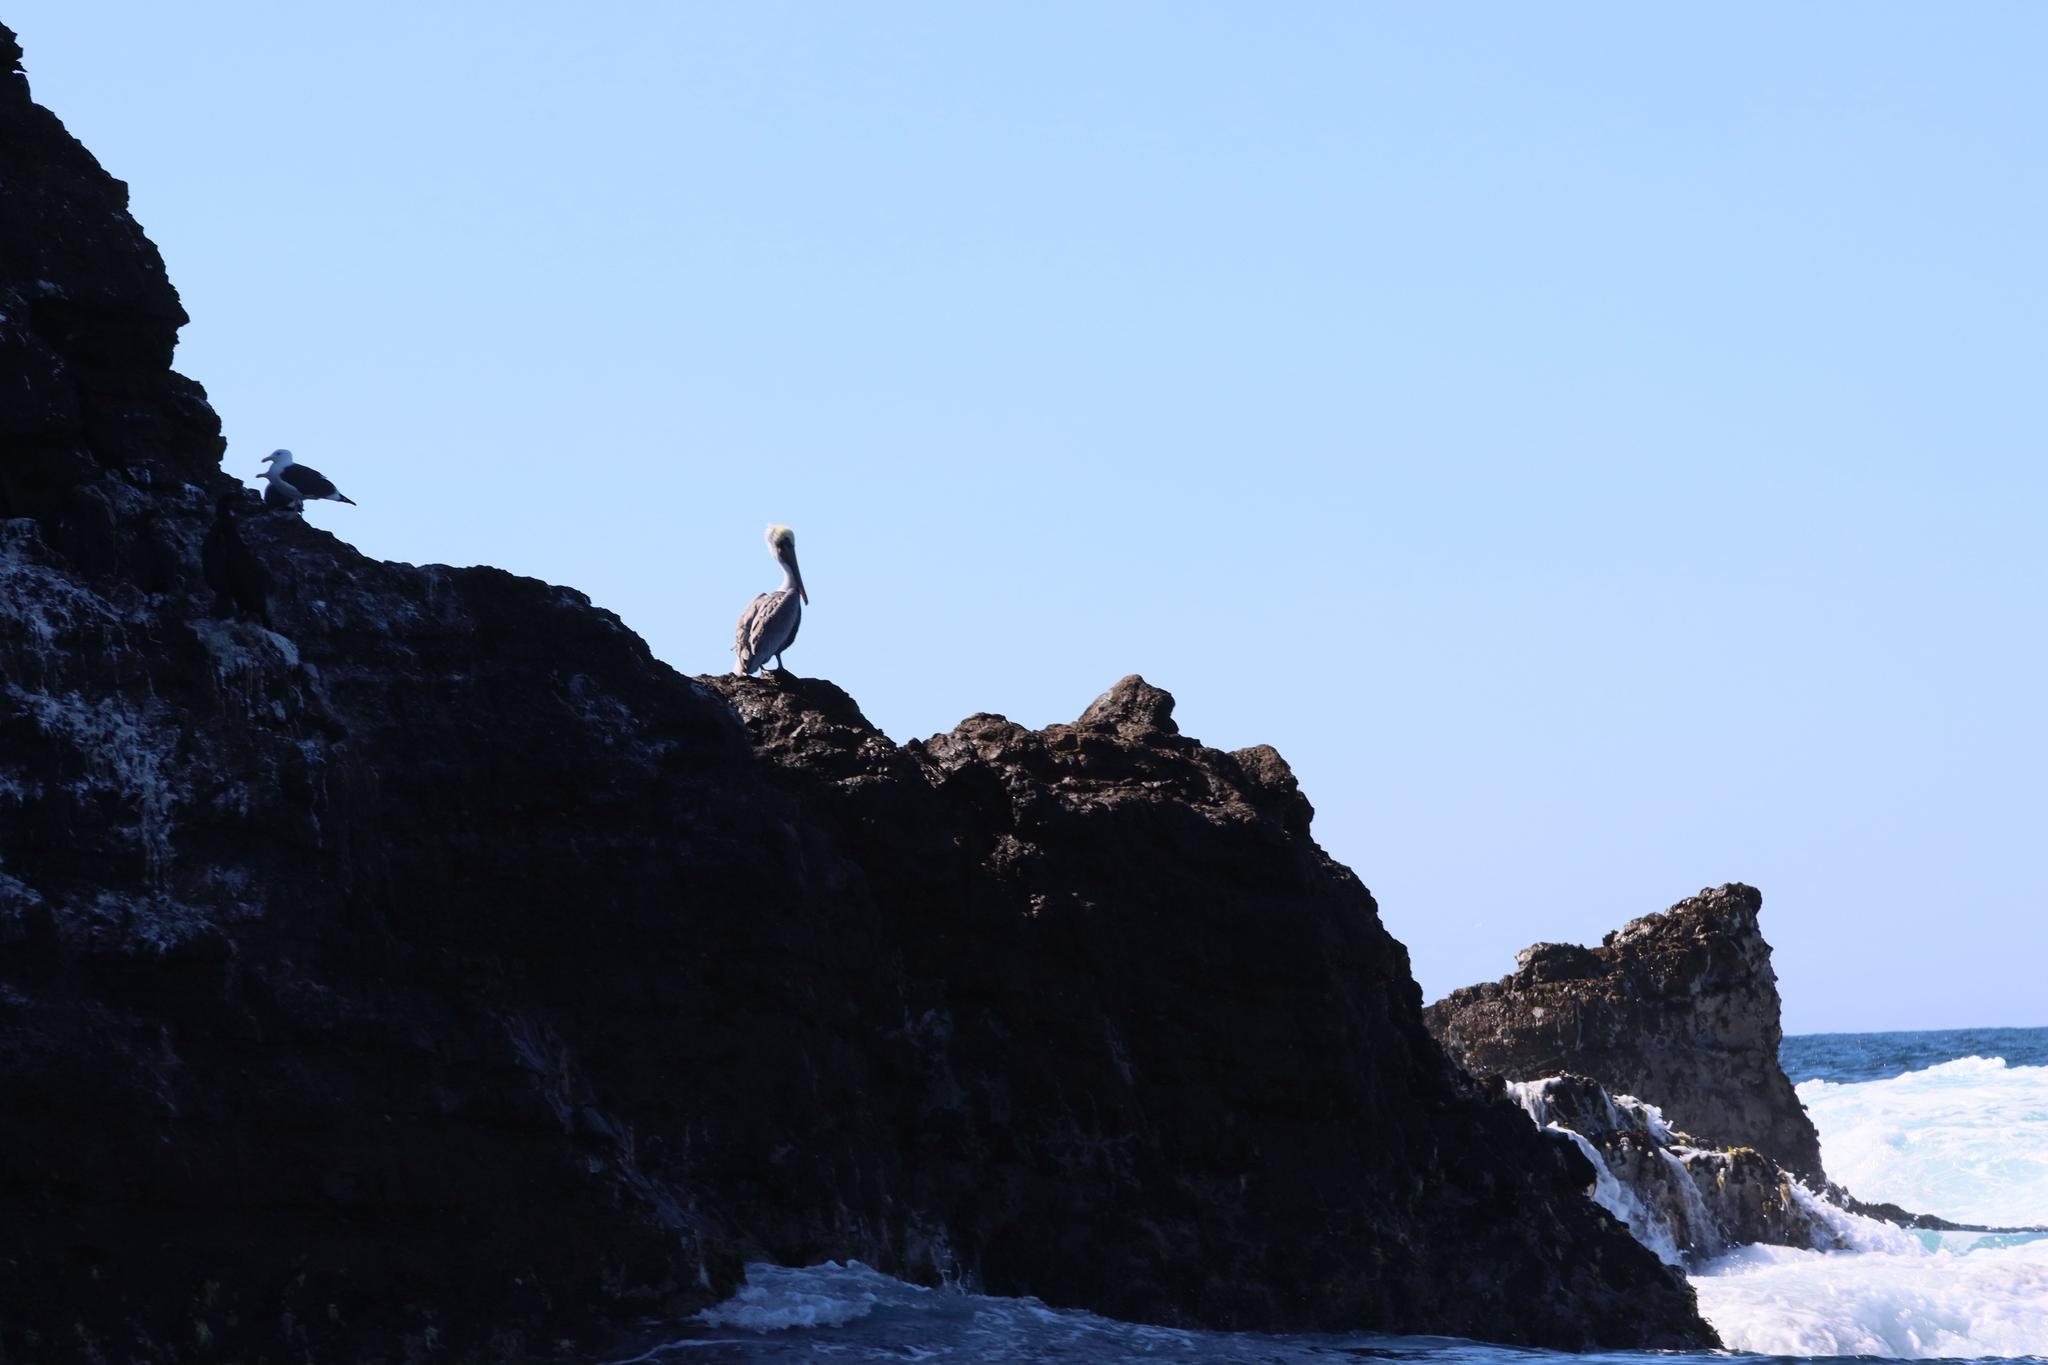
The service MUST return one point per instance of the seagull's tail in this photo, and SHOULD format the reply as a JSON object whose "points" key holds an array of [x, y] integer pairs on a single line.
{"points": [[343, 497]]}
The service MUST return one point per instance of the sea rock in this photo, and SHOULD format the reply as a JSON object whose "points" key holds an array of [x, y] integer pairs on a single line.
{"points": [[439, 976], [1680, 1009], [1165, 1020]]}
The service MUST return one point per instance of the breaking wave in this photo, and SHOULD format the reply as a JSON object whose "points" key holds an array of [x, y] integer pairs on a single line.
{"points": [[1966, 1140], [1965, 1137], [1908, 1303]]}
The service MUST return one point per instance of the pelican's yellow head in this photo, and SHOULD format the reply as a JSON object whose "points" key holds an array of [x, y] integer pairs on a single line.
{"points": [[782, 541]]}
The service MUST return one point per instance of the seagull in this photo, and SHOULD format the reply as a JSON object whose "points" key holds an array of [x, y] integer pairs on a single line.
{"points": [[291, 484], [241, 585], [768, 625]]}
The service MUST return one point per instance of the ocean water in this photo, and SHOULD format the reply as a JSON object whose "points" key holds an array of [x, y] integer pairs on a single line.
{"points": [[1845, 1058], [1952, 1123]]}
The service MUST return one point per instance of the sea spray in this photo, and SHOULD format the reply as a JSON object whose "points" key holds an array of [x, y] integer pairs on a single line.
{"points": [[1621, 1201], [1701, 1234], [1970, 1129], [1654, 1194], [828, 1295], [1966, 1140], [1909, 1303]]}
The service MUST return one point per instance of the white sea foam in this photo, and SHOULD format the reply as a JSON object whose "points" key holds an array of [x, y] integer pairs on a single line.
{"points": [[1619, 1200], [1646, 1226], [828, 1295], [1911, 1303], [1967, 1140], [1701, 1234], [854, 1314], [1854, 1231]]}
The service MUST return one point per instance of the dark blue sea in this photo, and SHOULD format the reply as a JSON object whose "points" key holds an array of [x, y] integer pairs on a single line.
{"points": [[1953, 1123], [1849, 1057]]}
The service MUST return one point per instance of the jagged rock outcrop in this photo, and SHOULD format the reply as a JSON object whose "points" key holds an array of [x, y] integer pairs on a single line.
{"points": [[1680, 1009], [1152, 914], [88, 321], [440, 976]]}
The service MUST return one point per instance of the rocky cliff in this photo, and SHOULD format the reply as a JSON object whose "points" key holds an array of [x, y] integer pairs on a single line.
{"points": [[439, 976], [1679, 1008]]}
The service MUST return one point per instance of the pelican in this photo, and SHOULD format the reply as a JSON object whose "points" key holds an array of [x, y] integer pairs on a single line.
{"points": [[768, 625], [291, 484]]}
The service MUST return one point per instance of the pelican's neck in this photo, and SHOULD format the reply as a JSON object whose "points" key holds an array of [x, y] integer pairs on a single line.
{"points": [[788, 577]]}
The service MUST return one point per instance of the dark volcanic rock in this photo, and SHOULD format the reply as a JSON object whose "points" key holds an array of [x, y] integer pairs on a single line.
{"points": [[1170, 1028], [1679, 1008], [87, 324], [441, 976]]}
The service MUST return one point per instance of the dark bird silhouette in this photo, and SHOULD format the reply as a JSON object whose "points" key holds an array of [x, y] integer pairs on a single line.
{"points": [[241, 585]]}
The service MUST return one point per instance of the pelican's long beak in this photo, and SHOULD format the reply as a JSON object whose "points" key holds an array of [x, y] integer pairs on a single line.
{"points": [[798, 575]]}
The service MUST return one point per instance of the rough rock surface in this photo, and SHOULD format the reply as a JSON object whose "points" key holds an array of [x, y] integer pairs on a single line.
{"points": [[440, 976], [1679, 1009], [1695, 1201]]}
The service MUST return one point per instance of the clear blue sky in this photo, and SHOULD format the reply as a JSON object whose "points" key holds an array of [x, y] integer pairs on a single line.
{"points": [[1601, 446]]}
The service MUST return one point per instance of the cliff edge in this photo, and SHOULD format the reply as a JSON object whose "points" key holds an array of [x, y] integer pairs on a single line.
{"points": [[438, 975]]}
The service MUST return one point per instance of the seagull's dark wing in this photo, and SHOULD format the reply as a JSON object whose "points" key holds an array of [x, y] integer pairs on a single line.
{"points": [[310, 482]]}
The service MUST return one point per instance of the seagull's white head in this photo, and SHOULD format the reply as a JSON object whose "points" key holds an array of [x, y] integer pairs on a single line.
{"points": [[782, 541], [283, 457]]}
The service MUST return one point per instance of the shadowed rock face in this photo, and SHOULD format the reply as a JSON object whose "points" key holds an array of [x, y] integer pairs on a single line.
{"points": [[442, 976], [87, 324], [1679, 1008], [1174, 1023]]}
